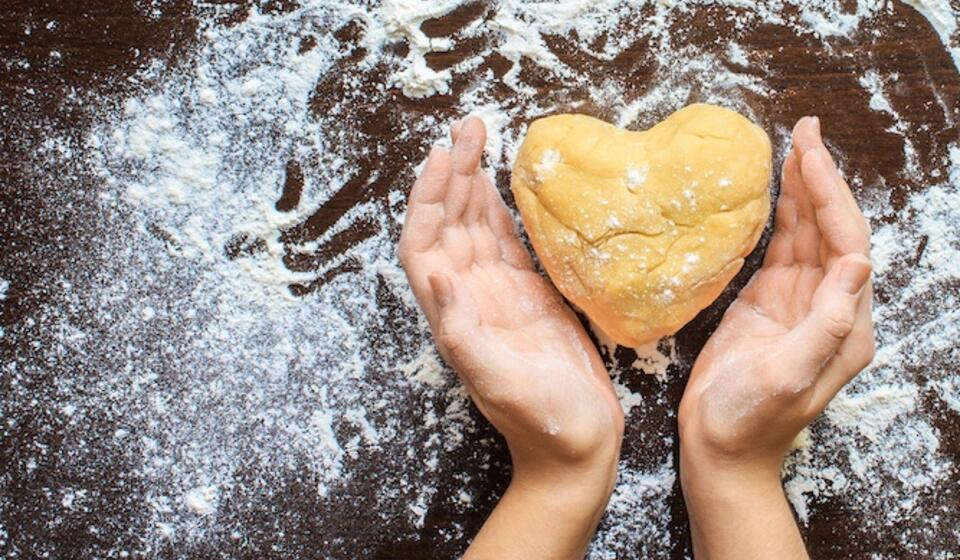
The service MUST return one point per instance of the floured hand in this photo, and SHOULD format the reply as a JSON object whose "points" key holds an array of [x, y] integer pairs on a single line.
{"points": [[797, 333], [519, 350], [801, 329]]}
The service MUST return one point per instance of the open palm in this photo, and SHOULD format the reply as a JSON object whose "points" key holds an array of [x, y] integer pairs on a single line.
{"points": [[523, 356], [801, 329]]}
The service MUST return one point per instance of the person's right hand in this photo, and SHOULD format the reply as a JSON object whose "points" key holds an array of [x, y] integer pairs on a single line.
{"points": [[798, 332], [523, 356]]}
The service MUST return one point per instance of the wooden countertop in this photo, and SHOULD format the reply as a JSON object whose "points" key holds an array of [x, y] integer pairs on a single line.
{"points": [[103, 42]]}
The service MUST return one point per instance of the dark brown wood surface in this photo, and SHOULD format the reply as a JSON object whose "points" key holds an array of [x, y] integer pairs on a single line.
{"points": [[103, 42]]}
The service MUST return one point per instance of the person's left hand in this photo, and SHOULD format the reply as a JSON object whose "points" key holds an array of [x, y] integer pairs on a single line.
{"points": [[801, 328], [796, 334]]}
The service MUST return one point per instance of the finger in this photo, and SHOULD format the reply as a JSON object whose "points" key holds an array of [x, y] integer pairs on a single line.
{"points": [[477, 203], [840, 224], [424, 219], [418, 275], [808, 138], [832, 316], [854, 354], [806, 236], [455, 130], [440, 295], [431, 185], [806, 135], [465, 157], [792, 183], [794, 180], [780, 250], [455, 313], [505, 229]]}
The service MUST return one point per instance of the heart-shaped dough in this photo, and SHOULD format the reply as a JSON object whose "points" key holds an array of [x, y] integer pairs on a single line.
{"points": [[642, 230]]}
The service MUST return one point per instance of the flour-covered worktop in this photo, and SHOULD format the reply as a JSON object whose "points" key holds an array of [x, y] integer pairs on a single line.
{"points": [[209, 350]]}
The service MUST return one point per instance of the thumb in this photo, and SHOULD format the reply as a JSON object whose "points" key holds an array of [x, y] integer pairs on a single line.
{"points": [[832, 313], [465, 346], [457, 318]]}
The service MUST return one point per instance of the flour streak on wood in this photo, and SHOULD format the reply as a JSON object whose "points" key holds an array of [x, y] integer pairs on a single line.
{"points": [[121, 434]]}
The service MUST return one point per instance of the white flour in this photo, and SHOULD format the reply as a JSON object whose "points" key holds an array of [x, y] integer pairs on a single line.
{"points": [[943, 18], [211, 370]]}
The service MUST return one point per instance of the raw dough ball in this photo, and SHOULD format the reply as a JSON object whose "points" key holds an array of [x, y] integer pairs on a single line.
{"points": [[642, 230]]}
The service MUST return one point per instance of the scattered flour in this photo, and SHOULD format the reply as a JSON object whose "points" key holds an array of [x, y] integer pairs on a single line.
{"points": [[872, 413], [220, 386], [400, 21], [655, 357], [873, 84], [949, 391], [943, 18], [201, 500], [641, 499]]}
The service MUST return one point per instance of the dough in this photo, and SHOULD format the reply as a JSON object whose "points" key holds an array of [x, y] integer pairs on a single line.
{"points": [[642, 230]]}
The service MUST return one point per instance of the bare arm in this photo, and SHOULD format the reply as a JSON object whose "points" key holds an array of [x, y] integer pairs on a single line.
{"points": [[519, 351], [798, 332]]}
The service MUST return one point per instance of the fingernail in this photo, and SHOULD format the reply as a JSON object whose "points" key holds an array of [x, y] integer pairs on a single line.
{"points": [[854, 275], [816, 124]]}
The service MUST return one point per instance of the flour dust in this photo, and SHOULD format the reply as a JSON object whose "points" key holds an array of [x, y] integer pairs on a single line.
{"points": [[242, 326]]}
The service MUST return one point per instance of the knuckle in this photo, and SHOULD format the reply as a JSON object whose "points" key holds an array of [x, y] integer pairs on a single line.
{"points": [[837, 325], [781, 389]]}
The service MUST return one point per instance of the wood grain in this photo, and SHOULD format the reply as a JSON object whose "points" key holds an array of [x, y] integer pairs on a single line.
{"points": [[104, 42]]}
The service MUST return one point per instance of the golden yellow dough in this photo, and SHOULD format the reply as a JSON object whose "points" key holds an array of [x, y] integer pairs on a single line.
{"points": [[642, 230]]}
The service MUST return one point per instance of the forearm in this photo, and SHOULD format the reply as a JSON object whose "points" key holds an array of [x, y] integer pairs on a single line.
{"points": [[737, 511], [548, 513]]}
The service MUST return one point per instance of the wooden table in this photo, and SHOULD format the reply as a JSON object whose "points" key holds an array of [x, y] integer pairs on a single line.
{"points": [[102, 42]]}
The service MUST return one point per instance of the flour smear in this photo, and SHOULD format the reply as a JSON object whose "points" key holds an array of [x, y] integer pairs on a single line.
{"points": [[214, 387]]}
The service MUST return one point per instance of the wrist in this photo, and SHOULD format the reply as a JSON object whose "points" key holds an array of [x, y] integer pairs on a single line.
{"points": [[550, 510], [737, 507], [576, 486], [728, 449], [724, 479]]}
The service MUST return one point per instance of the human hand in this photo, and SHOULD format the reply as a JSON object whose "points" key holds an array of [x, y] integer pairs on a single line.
{"points": [[797, 333], [519, 350]]}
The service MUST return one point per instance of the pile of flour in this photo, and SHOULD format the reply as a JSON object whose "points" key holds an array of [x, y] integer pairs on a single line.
{"points": [[180, 330]]}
